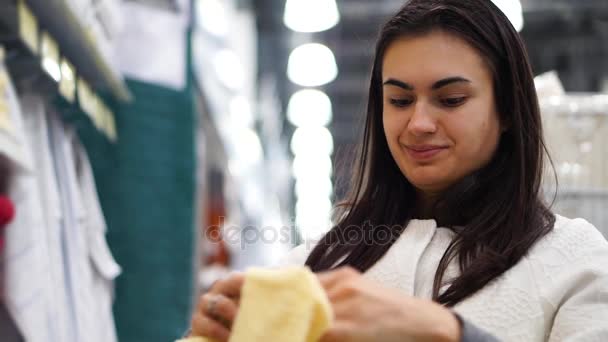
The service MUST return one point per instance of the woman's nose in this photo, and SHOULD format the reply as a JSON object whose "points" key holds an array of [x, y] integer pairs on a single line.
{"points": [[422, 121]]}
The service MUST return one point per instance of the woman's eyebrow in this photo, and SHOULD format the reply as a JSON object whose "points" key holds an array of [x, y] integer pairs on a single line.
{"points": [[446, 81], [439, 84], [400, 84]]}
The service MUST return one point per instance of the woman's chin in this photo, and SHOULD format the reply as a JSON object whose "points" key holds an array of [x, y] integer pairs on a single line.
{"points": [[428, 183]]}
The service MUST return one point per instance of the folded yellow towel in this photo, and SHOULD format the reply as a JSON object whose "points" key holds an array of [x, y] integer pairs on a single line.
{"points": [[279, 305]]}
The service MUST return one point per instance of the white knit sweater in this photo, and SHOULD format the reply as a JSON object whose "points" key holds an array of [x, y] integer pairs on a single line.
{"points": [[558, 292]]}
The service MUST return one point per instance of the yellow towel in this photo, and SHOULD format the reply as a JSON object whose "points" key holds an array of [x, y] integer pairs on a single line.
{"points": [[279, 305]]}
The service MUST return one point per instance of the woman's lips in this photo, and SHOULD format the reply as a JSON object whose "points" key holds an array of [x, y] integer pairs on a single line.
{"points": [[424, 152]]}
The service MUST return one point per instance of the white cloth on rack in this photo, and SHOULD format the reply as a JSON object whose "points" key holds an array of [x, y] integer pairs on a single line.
{"points": [[59, 271], [36, 127], [153, 53], [27, 274], [11, 137], [101, 284], [73, 243], [90, 267]]}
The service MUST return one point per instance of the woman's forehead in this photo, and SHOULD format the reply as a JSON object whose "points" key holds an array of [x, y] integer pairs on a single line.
{"points": [[432, 56]]}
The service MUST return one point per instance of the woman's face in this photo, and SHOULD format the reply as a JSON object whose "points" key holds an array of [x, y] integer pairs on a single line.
{"points": [[439, 115]]}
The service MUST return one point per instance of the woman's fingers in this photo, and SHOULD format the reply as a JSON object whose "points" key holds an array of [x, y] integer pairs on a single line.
{"points": [[339, 331], [230, 286], [205, 326], [219, 308], [330, 279]]}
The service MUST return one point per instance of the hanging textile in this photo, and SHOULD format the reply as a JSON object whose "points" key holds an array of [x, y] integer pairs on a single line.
{"points": [[26, 264], [89, 266], [59, 271], [34, 117]]}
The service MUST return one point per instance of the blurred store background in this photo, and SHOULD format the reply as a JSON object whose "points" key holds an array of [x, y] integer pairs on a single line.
{"points": [[155, 145]]}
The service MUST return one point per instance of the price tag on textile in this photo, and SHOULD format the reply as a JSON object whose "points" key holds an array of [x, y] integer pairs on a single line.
{"points": [[112, 134], [96, 112], [103, 118], [85, 95], [5, 116], [28, 26], [50, 56], [67, 85]]}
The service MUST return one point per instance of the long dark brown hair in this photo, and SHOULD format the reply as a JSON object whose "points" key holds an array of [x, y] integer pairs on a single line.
{"points": [[497, 212]]}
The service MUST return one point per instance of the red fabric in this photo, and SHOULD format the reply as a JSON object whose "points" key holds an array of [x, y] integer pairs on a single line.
{"points": [[7, 213]]}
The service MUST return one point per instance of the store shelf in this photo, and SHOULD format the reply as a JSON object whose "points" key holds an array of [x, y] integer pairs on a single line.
{"points": [[567, 192], [56, 18], [169, 5], [568, 6]]}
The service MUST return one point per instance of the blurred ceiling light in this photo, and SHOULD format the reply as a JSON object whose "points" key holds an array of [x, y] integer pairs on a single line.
{"points": [[213, 16], [247, 150], [250, 145], [312, 224], [312, 166], [309, 107], [313, 208], [312, 65], [314, 188], [311, 15], [513, 10], [240, 111], [312, 140], [229, 69], [251, 193], [52, 68]]}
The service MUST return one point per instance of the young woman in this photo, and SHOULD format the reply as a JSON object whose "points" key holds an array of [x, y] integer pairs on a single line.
{"points": [[445, 234]]}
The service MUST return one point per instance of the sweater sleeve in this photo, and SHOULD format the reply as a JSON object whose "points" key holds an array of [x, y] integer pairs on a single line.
{"points": [[295, 257], [471, 333], [582, 308]]}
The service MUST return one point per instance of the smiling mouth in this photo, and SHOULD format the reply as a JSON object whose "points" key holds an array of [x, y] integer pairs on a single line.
{"points": [[423, 153]]}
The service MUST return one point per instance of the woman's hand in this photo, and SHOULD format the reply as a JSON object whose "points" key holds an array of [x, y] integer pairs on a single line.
{"points": [[366, 311], [217, 309]]}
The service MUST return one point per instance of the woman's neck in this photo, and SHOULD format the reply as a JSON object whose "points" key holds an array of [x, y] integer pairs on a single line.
{"points": [[425, 203]]}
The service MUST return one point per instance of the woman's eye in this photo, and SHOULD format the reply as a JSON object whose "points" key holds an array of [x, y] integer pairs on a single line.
{"points": [[453, 101], [400, 102]]}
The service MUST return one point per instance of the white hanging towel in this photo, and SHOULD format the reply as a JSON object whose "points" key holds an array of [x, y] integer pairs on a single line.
{"points": [[11, 135], [27, 275], [36, 128], [90, 266], [105, 269]]}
